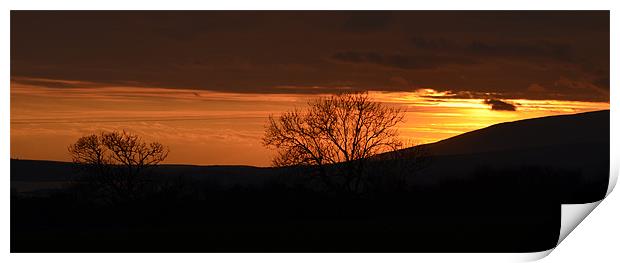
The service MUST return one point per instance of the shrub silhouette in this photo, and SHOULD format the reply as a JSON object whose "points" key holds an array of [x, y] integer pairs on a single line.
{"points": [[115, 163]]}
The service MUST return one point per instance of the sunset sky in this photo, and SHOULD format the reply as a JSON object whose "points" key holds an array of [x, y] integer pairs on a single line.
{"points": [[204, 83]]}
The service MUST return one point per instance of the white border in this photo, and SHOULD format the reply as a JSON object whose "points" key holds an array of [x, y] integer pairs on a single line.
{"points": [[598, 235]]}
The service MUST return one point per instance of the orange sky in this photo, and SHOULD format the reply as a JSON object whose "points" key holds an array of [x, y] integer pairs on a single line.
{"points": [[204, 82], [209, 127]]}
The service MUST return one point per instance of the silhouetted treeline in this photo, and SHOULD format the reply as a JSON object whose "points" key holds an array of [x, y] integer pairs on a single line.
{"points": [[514, 210]]}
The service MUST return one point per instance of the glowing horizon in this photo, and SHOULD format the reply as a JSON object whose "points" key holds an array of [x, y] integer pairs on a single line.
{"points": [[209, 127]]}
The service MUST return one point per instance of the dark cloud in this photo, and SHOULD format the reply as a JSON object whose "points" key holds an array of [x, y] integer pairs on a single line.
{"points": [[54, 83], [433, 44], [468, 53], [580, 86], [500, 105], [602, 82], [399, 61], [556, 51], [462, 95], [367, 21], [485, 49]]}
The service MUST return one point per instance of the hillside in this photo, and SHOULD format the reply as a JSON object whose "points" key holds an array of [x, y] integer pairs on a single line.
{"points": [[577, 142], [582, 128]]}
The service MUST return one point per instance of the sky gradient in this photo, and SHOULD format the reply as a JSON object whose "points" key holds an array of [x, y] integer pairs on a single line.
{"points": [[204, 83]]}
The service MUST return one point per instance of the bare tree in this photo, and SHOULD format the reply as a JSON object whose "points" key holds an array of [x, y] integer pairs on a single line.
{"points": [[116, 162], [341, 131]]}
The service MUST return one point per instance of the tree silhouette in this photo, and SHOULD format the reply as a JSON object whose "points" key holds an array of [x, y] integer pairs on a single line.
{"points": [[115, 163], [337, 135]]}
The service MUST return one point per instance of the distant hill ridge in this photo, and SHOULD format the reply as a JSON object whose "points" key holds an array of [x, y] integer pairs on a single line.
{"points": [[558, 132], [581, 128]]}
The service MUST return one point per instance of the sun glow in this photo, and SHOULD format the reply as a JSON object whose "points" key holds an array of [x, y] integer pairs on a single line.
{"points": [[433, 115]]}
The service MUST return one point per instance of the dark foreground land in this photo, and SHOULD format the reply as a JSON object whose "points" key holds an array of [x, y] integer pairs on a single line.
{"points": [[497, 189]]}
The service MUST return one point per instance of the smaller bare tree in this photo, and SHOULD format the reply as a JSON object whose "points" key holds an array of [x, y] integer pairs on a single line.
{"points": [[115, 163]]}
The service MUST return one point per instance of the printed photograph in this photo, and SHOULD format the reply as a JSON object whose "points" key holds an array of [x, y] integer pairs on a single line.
{"points": [[304, 131]]}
